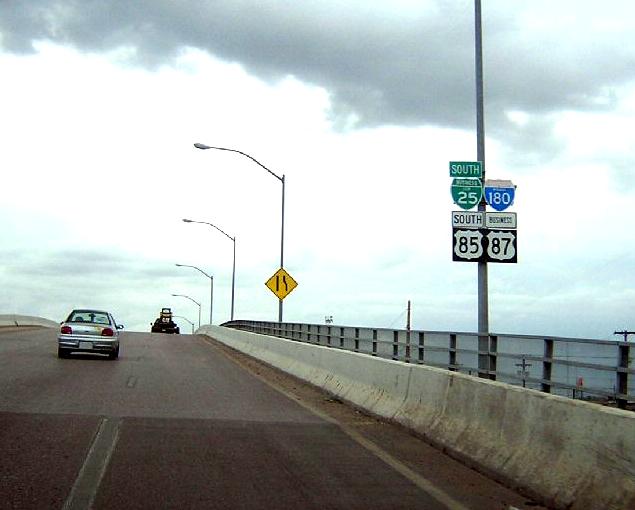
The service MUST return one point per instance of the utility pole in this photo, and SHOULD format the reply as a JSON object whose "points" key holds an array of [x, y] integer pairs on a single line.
{"points": [[408, 323], [625, 334], [523, 368]]}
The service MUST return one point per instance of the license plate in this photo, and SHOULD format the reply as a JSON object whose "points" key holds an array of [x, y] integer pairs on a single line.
{"points": [[85, 345]]}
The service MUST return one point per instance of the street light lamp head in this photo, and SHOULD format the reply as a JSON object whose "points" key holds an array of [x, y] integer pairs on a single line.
{"points": [[201, 146], [187, 221]]}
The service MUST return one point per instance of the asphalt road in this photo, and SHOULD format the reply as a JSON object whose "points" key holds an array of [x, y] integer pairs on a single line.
{"points": [[183, 422]]}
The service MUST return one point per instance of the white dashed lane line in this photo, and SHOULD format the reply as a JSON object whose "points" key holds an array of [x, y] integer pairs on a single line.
{"points": [[89, 478]]}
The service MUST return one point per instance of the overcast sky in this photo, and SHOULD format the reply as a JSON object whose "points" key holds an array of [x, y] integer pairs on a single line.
{"points": [[361, 105]]}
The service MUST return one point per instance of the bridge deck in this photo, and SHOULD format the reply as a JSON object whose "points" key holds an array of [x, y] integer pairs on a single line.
{"points": [[182, 422]]}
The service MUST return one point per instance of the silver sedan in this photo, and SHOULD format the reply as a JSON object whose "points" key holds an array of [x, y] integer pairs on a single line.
{"points": [[89, 331]]}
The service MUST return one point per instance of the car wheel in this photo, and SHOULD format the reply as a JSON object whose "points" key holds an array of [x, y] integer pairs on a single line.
{"points": [[177, 331], [114, 354], [62, 353]]}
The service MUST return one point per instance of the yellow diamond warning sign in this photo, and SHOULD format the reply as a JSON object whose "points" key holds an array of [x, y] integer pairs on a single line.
{"points": [[281, 283]]}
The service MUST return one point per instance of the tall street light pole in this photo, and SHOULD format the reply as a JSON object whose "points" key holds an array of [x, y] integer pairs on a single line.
{"points": [[483, 297], [211, 294], [233, 239], [193, 301], [282, 181]]}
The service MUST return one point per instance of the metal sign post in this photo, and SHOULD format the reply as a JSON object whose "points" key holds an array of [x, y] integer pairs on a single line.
{"points": [[483, 297]]}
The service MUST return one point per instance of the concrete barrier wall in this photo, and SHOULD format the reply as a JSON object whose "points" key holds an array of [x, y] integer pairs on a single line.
{"points": [[25, 320], [569, 454]]}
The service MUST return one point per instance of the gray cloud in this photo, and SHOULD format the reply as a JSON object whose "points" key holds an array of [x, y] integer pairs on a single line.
{"points": [[100, 266], [531, 143], [379, 65]]}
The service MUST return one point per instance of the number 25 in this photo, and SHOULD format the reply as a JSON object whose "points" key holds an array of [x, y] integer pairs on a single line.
{"points": [[467, 197]]}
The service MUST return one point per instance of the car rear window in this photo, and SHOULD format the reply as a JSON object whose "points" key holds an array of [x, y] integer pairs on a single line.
{"points": [[89, 316]]}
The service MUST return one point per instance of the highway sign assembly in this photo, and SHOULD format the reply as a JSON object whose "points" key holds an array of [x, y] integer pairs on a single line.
{"points": [[466, 193], [466, 169], [281, 283], [499, 194], [482, 236]]}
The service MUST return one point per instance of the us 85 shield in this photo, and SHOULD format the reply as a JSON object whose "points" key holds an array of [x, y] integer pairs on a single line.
{"points": [[468, 245], [466, 193]]}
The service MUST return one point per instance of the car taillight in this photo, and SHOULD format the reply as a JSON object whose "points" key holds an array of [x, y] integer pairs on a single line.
{"points": [[66, 330], [107, 332]]}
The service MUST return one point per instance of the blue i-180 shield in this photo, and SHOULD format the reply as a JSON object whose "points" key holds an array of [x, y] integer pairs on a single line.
{"points": [[499, 198]]}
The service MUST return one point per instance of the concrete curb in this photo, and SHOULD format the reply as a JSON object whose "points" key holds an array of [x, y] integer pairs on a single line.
{"points": [[570, 454], [13, 320]]}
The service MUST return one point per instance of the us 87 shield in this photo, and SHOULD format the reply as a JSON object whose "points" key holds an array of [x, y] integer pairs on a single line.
{"points": [[484, 245]]}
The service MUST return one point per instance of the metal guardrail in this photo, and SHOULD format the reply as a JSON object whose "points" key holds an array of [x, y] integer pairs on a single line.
{"points": [[572, 367]]}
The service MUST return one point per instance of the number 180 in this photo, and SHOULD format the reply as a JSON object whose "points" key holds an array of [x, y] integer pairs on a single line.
{"points": [[495, 197]]}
